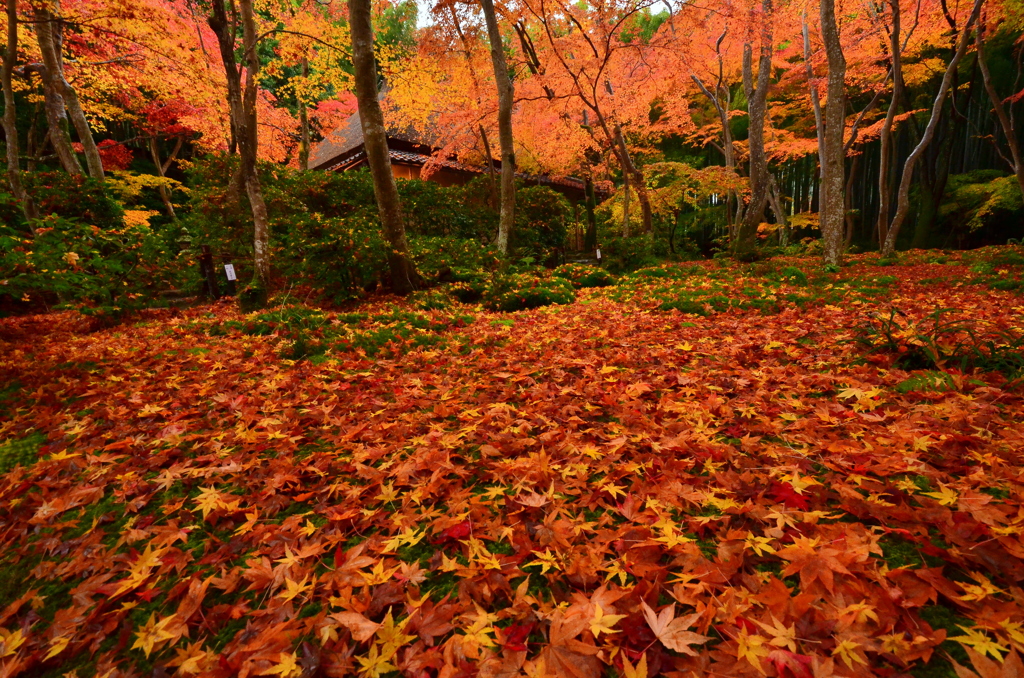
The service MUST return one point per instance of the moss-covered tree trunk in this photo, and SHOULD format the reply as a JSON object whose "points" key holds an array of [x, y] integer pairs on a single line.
{"points": [[376, 144], [505, 139], [10, 120], [832, 184]]}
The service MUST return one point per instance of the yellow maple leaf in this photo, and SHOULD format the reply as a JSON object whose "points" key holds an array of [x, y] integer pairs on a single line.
{"points": [[12, 640], [547, 561], [375, 664], [639, 671], [847, 650], [615, 570], [782, 636], [209, 500], [984, 589], [293, 589], [409, 537], [286, 667], [751, 648], [378, 575], [980, 642], [603, 623], [391, 634], [154, 633], [759, 545], [670, 536], [190, 659], [947, 497], [57, 646]]}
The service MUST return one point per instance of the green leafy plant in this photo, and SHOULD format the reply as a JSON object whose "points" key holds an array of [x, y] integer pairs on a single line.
{"points": [[105, 272], [581, 275], [519, 292], [938, 342]]}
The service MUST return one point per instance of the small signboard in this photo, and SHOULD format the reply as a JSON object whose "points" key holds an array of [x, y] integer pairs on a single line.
{"points": [[599, 255], [229, 270]]}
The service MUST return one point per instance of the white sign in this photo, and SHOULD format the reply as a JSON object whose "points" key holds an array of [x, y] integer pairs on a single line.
{"points": [[599, 254], [229, 269]]}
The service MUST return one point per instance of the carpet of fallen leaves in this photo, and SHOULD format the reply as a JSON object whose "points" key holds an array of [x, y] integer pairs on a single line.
{"points": [[598, 489]]}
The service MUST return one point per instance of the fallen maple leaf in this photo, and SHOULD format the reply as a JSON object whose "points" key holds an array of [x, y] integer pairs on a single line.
{"points": [[672, 632], [362, 629]]}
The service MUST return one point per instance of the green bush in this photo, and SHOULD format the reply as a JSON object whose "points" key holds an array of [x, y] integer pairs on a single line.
{"points": [[325, 227], [311, 333], [936, 342], [688, 306], [622, 255], [101, 271], [74, 196], [519, 292], [340, 255], [664, 272], [541, 218], [440, 256], [794, 276], [581, 275]]}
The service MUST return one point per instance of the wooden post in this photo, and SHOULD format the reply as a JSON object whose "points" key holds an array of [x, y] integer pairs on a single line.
{"points": [[210, 287]]}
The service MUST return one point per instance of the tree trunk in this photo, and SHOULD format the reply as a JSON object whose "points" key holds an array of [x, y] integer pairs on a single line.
{"points": [[10, 119], [1005, 121], [57, 121], [590, 241], [885, 154], [638, 182], [819, 123], [832, 184], [505, 140], [903, 197], [161, 170], [49, 33], [775, 200], [848, 203], [376, 144], [304, 124], [757, 104], [492, 184], [242, 107], [626, 204]]}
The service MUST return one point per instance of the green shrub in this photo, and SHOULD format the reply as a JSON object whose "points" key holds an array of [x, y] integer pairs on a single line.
{"points": [[431, 300], [74, 196], [101, 271], [926, 381], [440, 256], [936, 342], [581, 275], [1006, 285], [540, 221], [340, 255], [666, 272], [794, 276], [688, 306], [519, 292], [310, 332], [622, 255]]}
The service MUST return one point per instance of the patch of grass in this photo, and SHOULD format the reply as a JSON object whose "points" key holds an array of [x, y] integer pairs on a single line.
{"points": [[24, 452], [898, 552], [942, 617]]}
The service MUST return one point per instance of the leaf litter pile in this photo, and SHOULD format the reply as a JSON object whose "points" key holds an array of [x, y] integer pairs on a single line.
{"points": [[806, 474]]}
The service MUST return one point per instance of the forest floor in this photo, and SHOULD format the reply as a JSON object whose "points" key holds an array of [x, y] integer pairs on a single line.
{"points": [[808, 473]]}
